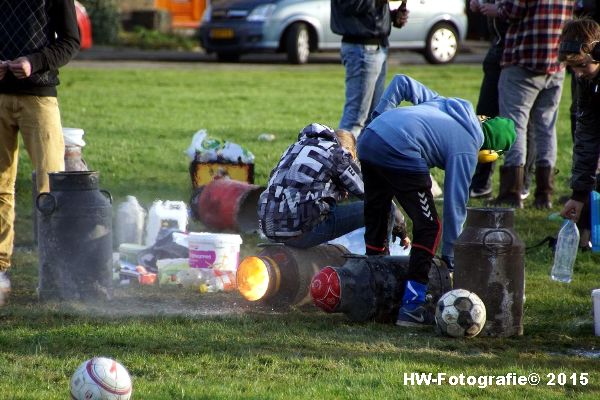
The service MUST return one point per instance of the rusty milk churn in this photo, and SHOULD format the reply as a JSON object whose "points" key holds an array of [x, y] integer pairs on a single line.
{"points": [[74, 238], [280, 275], [371, 288], [489, 260]]}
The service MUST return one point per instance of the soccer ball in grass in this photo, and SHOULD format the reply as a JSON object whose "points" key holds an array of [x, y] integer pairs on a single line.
{"points": [[100, 378], [460, 313]]}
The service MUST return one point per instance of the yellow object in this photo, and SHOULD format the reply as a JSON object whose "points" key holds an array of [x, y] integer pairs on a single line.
{"points": [[487, 156]]}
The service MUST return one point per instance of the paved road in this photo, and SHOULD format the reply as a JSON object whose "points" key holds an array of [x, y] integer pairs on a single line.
{"points": [[471, 52]]}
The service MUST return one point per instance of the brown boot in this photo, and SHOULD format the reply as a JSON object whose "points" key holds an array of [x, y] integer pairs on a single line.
{"points": [[544, 187], [511, 185]]}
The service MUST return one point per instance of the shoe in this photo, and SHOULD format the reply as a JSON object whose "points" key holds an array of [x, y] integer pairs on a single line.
{"points": [[484, 193], [4, 287], [419, 317]]}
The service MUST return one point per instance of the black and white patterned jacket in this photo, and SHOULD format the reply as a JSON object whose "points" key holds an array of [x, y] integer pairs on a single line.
{"points": [[312, 175]]}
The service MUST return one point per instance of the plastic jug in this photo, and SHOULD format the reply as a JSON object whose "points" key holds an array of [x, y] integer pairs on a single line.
{"points": [[165, 214], [566, 252], [130, 220]]}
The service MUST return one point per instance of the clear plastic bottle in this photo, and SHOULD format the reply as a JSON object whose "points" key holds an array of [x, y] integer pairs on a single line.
{"points": [[566, 252], [218, 281], [130, 220]]}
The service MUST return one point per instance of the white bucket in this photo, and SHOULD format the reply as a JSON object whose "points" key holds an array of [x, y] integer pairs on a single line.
{"points": [[165, 214], [73, 137], [596, 303], [220, 251]]}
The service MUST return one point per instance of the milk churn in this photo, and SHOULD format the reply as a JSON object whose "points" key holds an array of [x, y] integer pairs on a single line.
{"points": [[74, 238], [280, 275], [371, 288], [490, 261]]}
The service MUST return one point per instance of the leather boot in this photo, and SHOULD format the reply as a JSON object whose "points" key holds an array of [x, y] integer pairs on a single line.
{"points": [[511, 185], [544, 187]]}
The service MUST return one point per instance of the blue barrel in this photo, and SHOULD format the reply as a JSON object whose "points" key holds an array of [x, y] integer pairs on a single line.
{"points": [[74, 238]]}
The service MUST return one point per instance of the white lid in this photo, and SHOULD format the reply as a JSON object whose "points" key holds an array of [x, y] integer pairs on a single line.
{"points": [[73, 136], [214, 237]]}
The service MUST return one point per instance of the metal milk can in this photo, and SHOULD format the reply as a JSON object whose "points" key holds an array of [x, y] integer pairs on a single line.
{"points": [[74, 238], [490, 261]]}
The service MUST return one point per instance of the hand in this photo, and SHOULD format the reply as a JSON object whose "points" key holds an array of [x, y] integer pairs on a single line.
{"points": [[3, 69], [21, 67], [474, 5], [401, 18], [405, 243], [572, 210], [489, 10]]}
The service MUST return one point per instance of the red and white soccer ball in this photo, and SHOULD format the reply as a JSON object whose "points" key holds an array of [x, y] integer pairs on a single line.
{"points": [[100, 378]]}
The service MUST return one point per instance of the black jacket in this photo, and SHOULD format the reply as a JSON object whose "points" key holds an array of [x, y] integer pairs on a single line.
{"points": [[45, 31], [362, 21], [586, 149]]}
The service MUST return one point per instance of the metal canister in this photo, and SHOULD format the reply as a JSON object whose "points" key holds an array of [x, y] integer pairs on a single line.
{"points": [[74, 238], [490, 261]]}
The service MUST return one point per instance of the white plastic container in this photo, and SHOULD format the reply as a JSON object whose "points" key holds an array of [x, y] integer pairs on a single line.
{"points": [[130, 220], [596, 303], [220, 251], [73, 137], [165, 214]]}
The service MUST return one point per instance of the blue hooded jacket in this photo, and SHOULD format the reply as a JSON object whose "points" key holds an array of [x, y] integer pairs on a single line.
{"points": [[437, 132]]}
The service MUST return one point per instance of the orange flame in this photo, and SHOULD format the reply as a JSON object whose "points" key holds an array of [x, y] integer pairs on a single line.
{"points": [[253, 278]]}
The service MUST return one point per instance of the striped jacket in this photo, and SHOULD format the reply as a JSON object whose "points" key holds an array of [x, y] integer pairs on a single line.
{"points": [[311, 176]]}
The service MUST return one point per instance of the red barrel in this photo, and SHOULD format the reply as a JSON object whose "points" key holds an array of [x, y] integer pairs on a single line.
{"points": [[227, 205]]}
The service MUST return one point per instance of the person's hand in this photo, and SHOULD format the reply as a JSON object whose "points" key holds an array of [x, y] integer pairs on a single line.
{"points": [[405, 243], [572, 210], [401, 18], [20, 67], [474, 5], [489, 10], [3, 68]]}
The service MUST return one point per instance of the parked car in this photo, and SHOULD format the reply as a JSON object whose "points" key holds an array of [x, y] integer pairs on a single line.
{"points": [[231, 28], [85, 26]]}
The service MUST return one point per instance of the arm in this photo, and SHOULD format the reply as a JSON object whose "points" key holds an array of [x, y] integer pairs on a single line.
{"points": [[506, 9], [347, 173], [457, 178], [403, 88], [63, 49]]}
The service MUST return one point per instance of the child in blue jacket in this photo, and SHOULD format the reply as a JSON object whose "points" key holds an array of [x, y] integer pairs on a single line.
{"points": [[396, 151]]}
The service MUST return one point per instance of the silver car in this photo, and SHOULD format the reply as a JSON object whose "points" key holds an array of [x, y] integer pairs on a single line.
{"points": [[231, 28]]}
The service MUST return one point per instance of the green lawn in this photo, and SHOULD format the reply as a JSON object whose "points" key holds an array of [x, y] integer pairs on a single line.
{"points": [[184, 345]]}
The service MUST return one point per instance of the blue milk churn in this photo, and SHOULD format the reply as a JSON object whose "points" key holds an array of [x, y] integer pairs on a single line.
{"points": [[74, 238], [489, 260]]}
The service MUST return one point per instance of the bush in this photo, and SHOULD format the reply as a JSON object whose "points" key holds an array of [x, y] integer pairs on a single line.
{"points": [[153, 40], [105, 19]]}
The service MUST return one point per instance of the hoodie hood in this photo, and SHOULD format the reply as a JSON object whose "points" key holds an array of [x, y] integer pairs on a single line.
{"points": [[318, 131]]}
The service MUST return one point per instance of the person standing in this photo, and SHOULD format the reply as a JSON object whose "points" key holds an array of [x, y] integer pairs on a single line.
{"points": [[396, 152], [530, 88], [364, 26], [36, 38]]}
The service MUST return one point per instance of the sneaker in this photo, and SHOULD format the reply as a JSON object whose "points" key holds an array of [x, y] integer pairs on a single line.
{"points": [[418, 317], [480, 193], [4, 287]]}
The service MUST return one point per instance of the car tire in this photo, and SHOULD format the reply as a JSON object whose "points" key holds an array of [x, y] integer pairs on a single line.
{"points": [[228, 57], [442, 44], [297, 44]]}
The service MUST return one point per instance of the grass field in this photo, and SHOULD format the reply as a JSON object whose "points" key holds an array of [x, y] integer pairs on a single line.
{"points": [[183, 345]]}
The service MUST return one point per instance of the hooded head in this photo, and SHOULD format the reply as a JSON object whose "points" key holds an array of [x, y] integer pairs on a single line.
{"points": [[498, 134]]}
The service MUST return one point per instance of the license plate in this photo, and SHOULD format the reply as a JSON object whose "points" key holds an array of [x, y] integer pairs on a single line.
{"points": [[221, 33]]}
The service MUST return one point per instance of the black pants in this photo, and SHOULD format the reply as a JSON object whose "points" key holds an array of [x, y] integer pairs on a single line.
{"points": [[413, 192]]}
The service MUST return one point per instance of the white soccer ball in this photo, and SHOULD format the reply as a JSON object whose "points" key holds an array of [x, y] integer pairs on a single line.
{"points": [[460, 313], [100, 378]]}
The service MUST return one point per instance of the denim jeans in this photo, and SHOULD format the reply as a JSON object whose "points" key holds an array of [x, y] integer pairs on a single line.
{"points": [[366, 68], [342, 219], [38, 120], [524, 97]]}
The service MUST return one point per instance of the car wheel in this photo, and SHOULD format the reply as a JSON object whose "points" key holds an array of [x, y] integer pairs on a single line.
{"points": [[228, 57], [297, 44], [442, 44]]}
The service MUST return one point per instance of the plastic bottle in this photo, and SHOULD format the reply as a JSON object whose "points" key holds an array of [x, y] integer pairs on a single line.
{"points": [[566, 252], [191, 277], [165, 214], [218, 281], [130, 221], [595, 218]]}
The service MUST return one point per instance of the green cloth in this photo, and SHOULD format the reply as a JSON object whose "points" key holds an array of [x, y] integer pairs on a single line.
{"points": [[498, 134]]}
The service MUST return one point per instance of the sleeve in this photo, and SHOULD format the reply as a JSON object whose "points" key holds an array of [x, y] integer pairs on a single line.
{"points": [[512, 9], [586, 147], [347, 174], [457, 178], [354, 7], [64, 20], [403, 88]]}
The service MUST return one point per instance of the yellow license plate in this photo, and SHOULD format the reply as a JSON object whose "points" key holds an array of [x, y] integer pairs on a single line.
{"points": [[221, 33]]}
